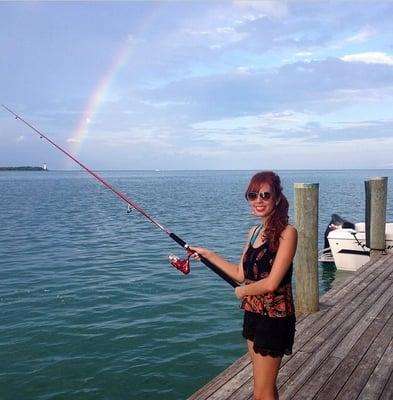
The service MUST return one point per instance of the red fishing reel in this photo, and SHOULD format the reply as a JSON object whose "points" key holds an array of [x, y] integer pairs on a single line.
{"points": [[183, 265]]}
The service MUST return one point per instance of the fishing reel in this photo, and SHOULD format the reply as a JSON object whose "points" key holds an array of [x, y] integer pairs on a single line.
{"points": [[182, 264]]}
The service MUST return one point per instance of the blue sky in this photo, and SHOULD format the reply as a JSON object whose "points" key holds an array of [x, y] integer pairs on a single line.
{"points": [[199, 85]]}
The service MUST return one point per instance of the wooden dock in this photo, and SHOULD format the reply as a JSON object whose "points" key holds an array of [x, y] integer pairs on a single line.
{"points": [[344, 351]]}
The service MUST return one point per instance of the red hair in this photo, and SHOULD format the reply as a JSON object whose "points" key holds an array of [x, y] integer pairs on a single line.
{"points": [[278, 219]]}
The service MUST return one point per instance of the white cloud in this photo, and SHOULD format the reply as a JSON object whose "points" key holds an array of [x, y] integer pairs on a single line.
{"points": [[268, 129], [245, 70], [303, 54], [161, 104], [362, 36], [230, 35], [131, 39], [270, 8], [218, 37], [371, 57], [357, 124], [20, 138], [135, 136], [272, 120], [72, 140]]}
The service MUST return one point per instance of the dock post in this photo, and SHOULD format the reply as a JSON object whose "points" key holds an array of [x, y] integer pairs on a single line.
{"points": [[376, 201], [306, 259]]}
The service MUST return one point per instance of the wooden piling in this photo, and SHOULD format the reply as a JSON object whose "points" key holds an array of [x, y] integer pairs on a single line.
{"points": [[376, 201], [306, 260]]}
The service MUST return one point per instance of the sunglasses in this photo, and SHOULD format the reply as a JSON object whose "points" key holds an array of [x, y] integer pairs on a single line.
{"points": [[251, 196]]}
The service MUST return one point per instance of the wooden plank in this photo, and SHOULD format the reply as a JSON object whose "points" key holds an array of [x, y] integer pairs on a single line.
{"points": [[379, 379], [245, 391], [353, 310], [333, 376], [317, 379], [346, 318], [326, 347], [341, 375], [387, 393], [289, 369], [382, 309], [354, 284], [343, 308], [336, 292], [311, 319], [221, 379], [226, 391], [363, 370]]}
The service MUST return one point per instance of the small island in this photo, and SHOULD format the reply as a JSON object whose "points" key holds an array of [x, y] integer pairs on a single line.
{"points": [[23, 168]]}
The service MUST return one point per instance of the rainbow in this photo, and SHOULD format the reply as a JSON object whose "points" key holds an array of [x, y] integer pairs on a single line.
{"points": [[90, 110], [92, 105]]}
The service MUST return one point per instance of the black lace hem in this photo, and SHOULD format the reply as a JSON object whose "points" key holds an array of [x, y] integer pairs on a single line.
{"points": [[271, 353]]}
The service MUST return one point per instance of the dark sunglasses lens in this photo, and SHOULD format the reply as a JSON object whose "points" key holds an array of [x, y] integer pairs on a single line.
{"points": [[265, 195], [252, 196]]}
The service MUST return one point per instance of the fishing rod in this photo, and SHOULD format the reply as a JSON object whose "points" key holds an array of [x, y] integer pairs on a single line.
{"points": [[182, 265]]}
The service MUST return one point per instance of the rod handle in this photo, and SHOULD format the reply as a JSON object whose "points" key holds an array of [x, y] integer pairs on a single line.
{"points": [[178, 240], [219, 272]]}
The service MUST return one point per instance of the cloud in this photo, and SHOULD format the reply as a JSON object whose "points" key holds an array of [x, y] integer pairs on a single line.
{"points": [[318, 86], [371, 57], [72, 140], [245, 70], [209, 77], [263, 130], [362, 36], [256, 150], [269, 8], [272, 120], [216, 37], [288, 128], [303, 54], [20, 138]]}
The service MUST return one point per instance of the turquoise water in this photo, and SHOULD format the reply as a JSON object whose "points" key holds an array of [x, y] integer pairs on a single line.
{"points": [[90, 307]]}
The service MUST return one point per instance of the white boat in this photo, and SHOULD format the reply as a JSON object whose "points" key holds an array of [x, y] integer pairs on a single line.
{"points": [[345, 244]]}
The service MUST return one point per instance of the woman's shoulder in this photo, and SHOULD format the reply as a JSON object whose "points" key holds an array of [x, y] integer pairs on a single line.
{"points": [[289, 232], [252, 231]]}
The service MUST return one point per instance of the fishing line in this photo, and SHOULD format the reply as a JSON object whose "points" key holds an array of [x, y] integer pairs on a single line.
{"points": [[182, 265]]}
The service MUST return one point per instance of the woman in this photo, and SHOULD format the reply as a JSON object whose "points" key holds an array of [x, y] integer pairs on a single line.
{"points": [[266, 269]]}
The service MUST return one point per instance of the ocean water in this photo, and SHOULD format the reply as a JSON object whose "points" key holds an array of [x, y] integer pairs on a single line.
{"points": [[90, 307]]}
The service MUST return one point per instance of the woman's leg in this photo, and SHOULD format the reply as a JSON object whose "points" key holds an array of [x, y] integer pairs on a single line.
{"points": [[265, 370], [251, 352]]}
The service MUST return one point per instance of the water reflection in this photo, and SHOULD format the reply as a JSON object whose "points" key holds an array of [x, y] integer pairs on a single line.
{"points": [[330, 276]]}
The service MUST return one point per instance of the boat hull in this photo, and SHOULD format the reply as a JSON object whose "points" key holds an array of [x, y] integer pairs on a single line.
{"points": [[349, 248]]}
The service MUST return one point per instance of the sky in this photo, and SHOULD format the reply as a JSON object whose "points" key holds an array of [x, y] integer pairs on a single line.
{"points": [[198, 84]]}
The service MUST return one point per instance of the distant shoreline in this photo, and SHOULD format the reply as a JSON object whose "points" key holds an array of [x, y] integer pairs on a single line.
{"points": [[24, 168]]}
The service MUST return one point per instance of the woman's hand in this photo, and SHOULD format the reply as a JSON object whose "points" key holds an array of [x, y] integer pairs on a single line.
{"points": [[239, 292], [198, 252]]}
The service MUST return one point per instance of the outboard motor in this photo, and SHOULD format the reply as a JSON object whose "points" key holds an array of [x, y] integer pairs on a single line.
{"points": [[335, 223]]}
